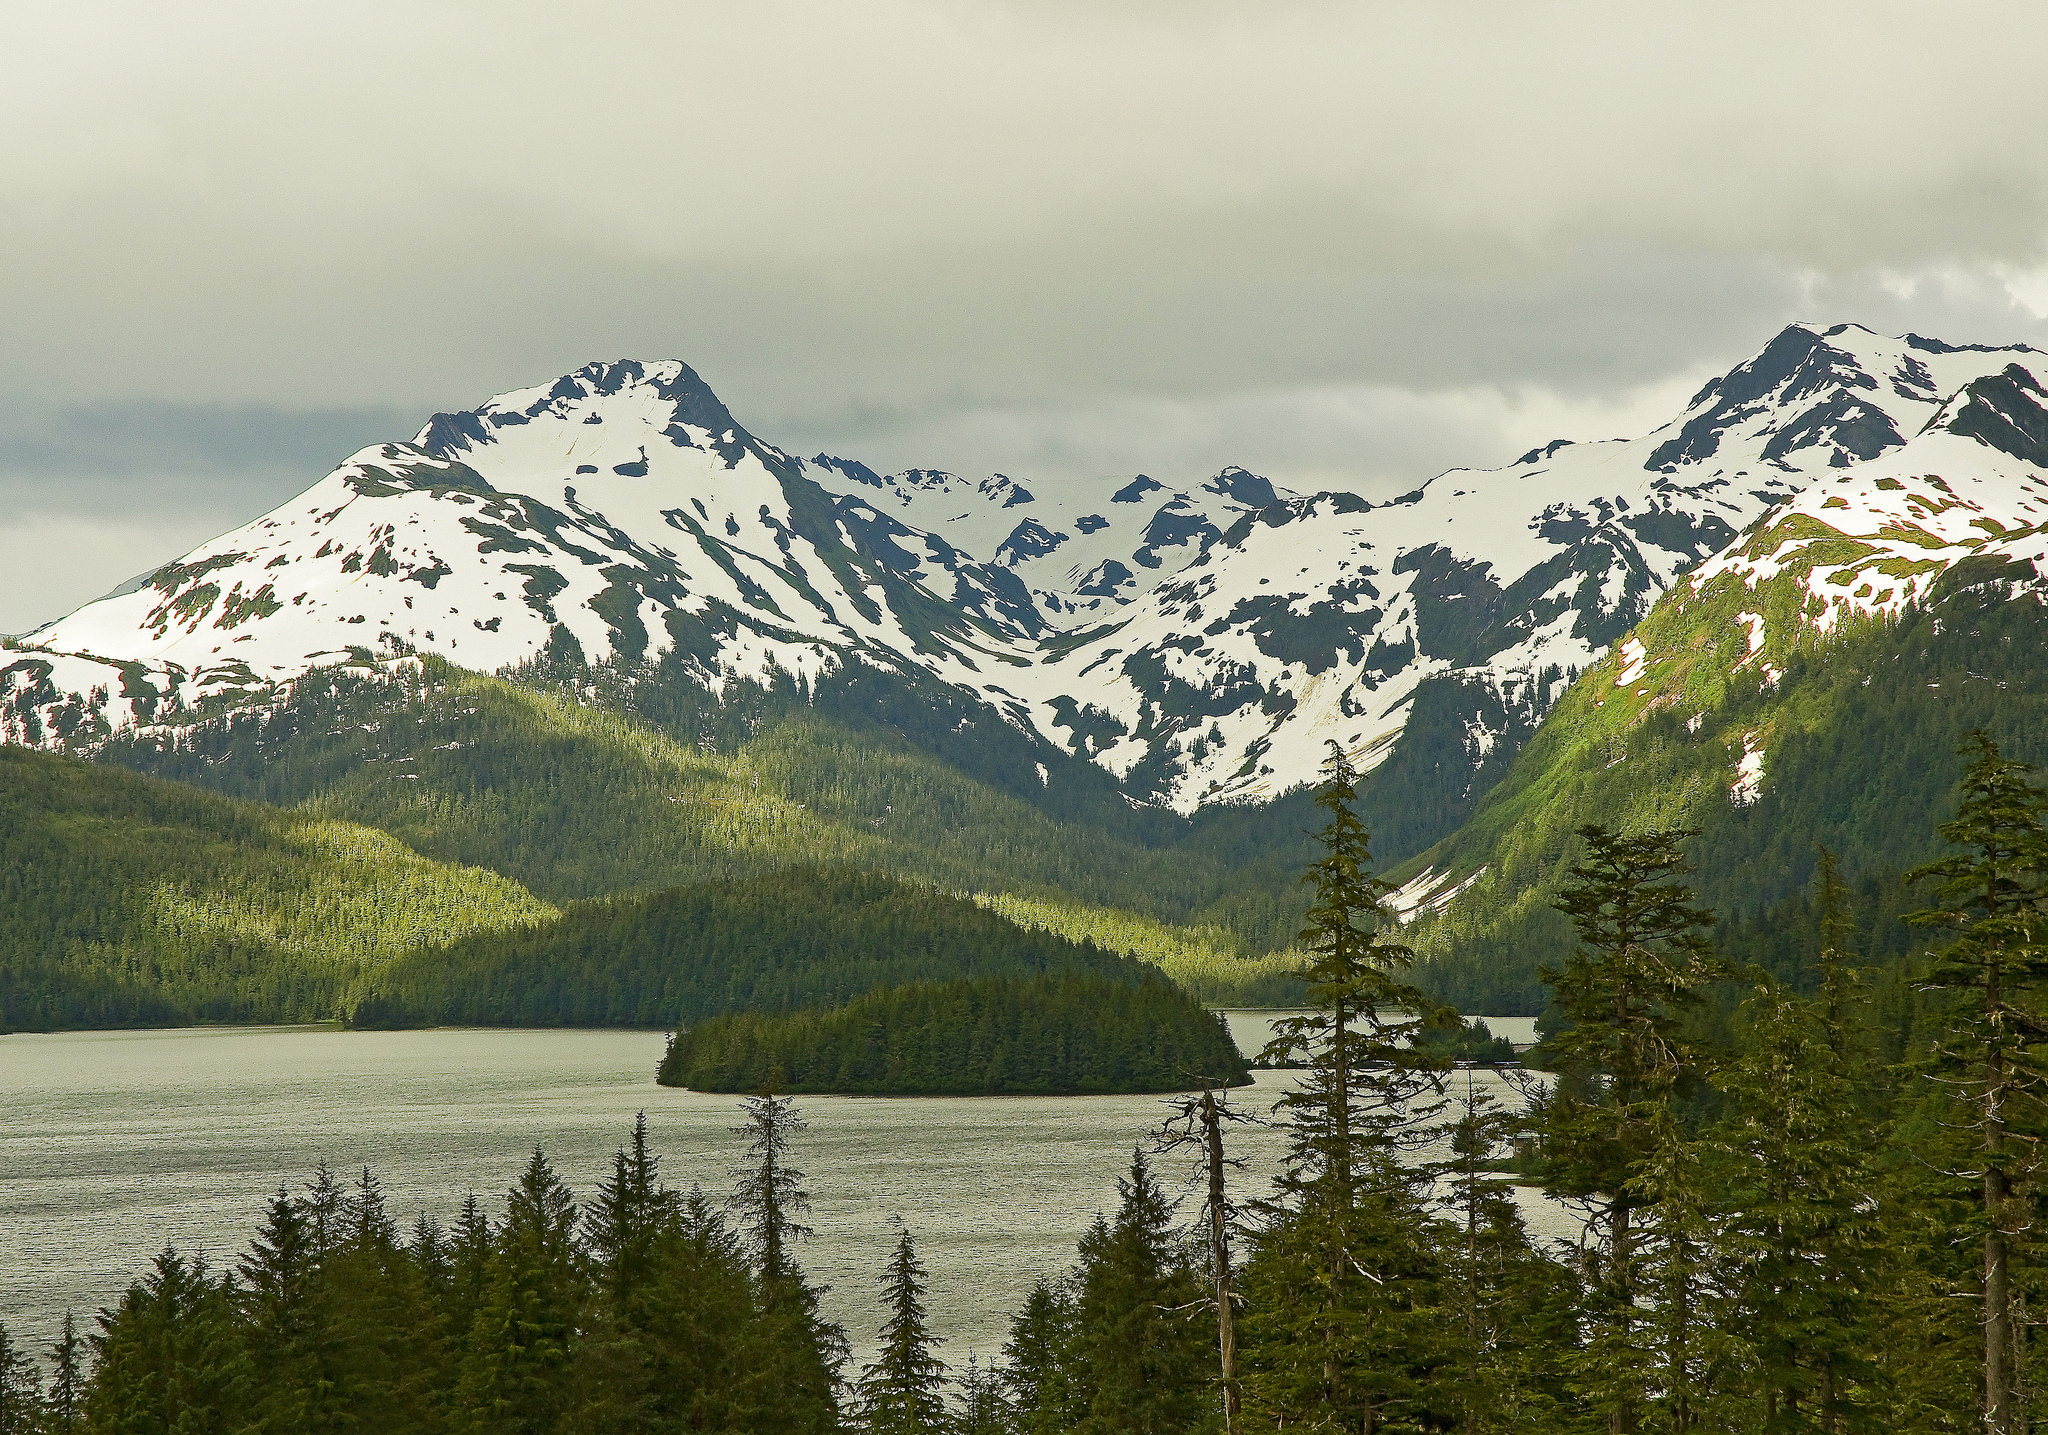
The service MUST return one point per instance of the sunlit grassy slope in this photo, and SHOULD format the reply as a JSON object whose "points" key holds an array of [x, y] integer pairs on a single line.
{"points": [[1850, 741], [125, 899], [577, 801]]}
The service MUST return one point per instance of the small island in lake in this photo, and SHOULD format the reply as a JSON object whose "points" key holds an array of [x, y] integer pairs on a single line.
{"points": [[1057, 1034]]}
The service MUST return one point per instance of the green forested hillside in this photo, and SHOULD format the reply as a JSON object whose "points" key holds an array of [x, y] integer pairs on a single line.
{"points": [[782, 941], [579, 796], [1067, 1033], [1858, 734], [125, 900]]}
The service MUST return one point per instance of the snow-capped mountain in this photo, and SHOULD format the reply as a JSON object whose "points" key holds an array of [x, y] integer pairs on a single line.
{"points": [[1972, 486], [1085, 549], [1752, 663], [621, 506], [1201, 643], [1322, 617]]}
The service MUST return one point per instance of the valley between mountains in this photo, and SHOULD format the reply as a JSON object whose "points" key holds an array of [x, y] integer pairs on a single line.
{"points": [[472, 728]]}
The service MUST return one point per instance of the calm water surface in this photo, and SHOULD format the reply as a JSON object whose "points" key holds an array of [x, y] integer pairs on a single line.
{"points": [[116, 1143]]}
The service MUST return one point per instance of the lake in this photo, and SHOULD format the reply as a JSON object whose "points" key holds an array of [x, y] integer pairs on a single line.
{"points": [[116, 1143]]}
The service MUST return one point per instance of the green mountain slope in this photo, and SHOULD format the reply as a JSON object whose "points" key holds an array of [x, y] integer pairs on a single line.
{"points": [[1844, 738], [789, 940], [126, 900], [577, 799]]}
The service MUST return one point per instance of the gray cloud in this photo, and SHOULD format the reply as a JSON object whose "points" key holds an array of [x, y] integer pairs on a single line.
{"points": [[1340, 243]]}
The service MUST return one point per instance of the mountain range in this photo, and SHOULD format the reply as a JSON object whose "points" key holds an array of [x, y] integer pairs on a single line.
{"points": [[1489, 644], [1201, 644]]}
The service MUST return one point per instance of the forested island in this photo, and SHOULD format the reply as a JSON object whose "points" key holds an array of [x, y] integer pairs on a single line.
{"points": [[1066, 1034]]}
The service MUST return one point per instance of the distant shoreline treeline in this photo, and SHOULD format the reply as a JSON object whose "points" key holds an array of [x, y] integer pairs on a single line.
{"points": [[1058, 1034]]}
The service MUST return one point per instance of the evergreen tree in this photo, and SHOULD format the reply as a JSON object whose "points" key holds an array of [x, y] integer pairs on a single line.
{"points": [[984, 1408], [1338, 1329], [67, 1379], [515, 1373], [769, 1196], [324, 1201], [638, 1372], [21, 1390], [1681, 1329], [432, 1257], [683, 1363], [386, 1331], [469, 1267], [1038, 1360], [633, 1213], [1799, 1180], [170, 1358], [1511, 1306], [286, 1313], [1138, 1346], [903, 1391], [1992, 894], [794, 1353], [1621, 1060]]}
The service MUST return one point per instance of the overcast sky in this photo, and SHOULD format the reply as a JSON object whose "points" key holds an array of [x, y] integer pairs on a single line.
{"points": [[1341, 244]]}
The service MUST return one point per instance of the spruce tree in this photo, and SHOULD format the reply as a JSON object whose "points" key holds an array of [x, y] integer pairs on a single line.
{"points": [[1621, 1061], [287, 1313], [794, 1352], [633, 1227], [1510, 1306], [1139, 1341], [1039, 1360], [21, 1389], [688, 1354], [67, 1379], [1799, 1176], [469, 1274], [984, 1408], [170, 1359], [632, 1214], [385, 1328], [769, 1194], [1337, 1328], [1992, 894], [903, 1391], [516, 1370]]}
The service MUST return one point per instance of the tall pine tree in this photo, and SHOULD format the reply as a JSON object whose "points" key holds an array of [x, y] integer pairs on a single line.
{"points": [[794, 1352], [1992, 896], [1140, 1340], [1799, 1180], [21, 1390], [67, 1379], [1338, 1329], [516, 1370], [1621, 1061], [169, 1358], [903, 1391]]}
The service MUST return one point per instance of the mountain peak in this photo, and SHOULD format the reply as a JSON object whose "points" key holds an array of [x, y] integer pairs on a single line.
{"points": [[2006, 411], [689, 402]]}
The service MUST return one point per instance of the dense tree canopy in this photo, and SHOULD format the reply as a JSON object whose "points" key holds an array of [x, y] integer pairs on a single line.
{"points": [[1058, 1034]]}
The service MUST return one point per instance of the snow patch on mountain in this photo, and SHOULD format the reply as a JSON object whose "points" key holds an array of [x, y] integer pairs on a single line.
{"points": [[1971, 485], [1202, 642]]}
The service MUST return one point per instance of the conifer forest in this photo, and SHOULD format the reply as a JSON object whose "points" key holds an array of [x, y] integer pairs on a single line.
{"points": [[1807, 1201], [1016, 717]]}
